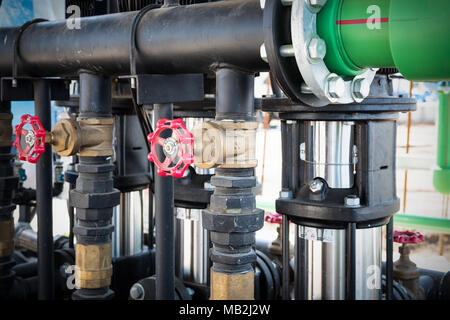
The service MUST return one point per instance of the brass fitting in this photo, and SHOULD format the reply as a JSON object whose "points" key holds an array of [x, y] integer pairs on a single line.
{"points": [[233, 286], [225, 144], [93, 266], [86, 137], [5, 129], [6, 238]]}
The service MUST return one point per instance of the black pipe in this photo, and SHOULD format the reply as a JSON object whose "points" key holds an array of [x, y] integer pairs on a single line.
{"points": [[350, 262], [389, 259], [286, 146], [179, 39], [151, 239], [285, 258], [164, 213], [44, 182], [235, 95], [8, 185]]}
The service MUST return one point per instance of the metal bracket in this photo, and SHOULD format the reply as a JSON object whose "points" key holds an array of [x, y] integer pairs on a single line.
{"points": [[59, 89], [159, 88]]}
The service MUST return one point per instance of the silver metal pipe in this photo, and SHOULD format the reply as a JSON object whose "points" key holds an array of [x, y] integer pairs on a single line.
{"points": [[192, 246], [326, 263], [329, 152], [128, 224]]}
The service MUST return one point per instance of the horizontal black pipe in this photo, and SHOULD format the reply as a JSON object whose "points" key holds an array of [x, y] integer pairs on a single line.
{"points": [[181, 39]]}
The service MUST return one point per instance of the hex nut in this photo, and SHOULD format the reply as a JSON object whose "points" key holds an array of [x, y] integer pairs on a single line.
{"points": [[94, 200], [233, 239], [97, 186], [286, 194], [243, 201], [352, 201], [361, 88], [240, 258], [233, 182], [336, 87], [317, 48], [220, 222], [317, 4]]}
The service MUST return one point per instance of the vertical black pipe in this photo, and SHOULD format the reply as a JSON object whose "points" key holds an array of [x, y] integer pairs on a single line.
{"points": [[44, 183], [350, 262], [235, 95], [285, 258], [302, 268], [8, 184], [389, 258], [151, 239], [164, 215]]}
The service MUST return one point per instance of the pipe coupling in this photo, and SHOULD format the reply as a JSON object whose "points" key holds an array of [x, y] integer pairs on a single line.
{"points": [[5, 129], [6, 238], [93, 266]]}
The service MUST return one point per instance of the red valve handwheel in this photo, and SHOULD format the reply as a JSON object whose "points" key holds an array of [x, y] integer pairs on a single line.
{"points": [[178, 148], [408, 237], [273, 218], [30, 143]]}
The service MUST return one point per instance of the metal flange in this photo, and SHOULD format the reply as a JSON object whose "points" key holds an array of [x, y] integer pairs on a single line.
{"points": [[308, 51]]}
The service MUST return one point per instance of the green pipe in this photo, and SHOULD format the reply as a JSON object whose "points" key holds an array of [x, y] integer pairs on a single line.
{"points": [[411, 35], [437, 225], [441, 178]]}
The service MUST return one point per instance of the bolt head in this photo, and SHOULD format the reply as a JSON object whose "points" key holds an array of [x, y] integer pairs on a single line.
{"points": [[286, 194], [137, 292], [352, 201], [263, 53], [336, 87], [317, 49], [317, 4], [316, 185], [361, 88]]}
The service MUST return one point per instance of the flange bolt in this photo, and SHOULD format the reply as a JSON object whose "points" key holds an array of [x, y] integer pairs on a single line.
{"points": [[317, 48], [361, 88], [352, 201], [316, 5], [336, 87]]}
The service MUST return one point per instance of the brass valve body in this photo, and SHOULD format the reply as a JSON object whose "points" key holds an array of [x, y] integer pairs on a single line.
{"points": [[86, 137], [225, 144]]}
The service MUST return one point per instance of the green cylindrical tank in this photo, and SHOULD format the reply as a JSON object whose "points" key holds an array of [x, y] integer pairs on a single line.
{"points": [[441, 178], [411, 35]]}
